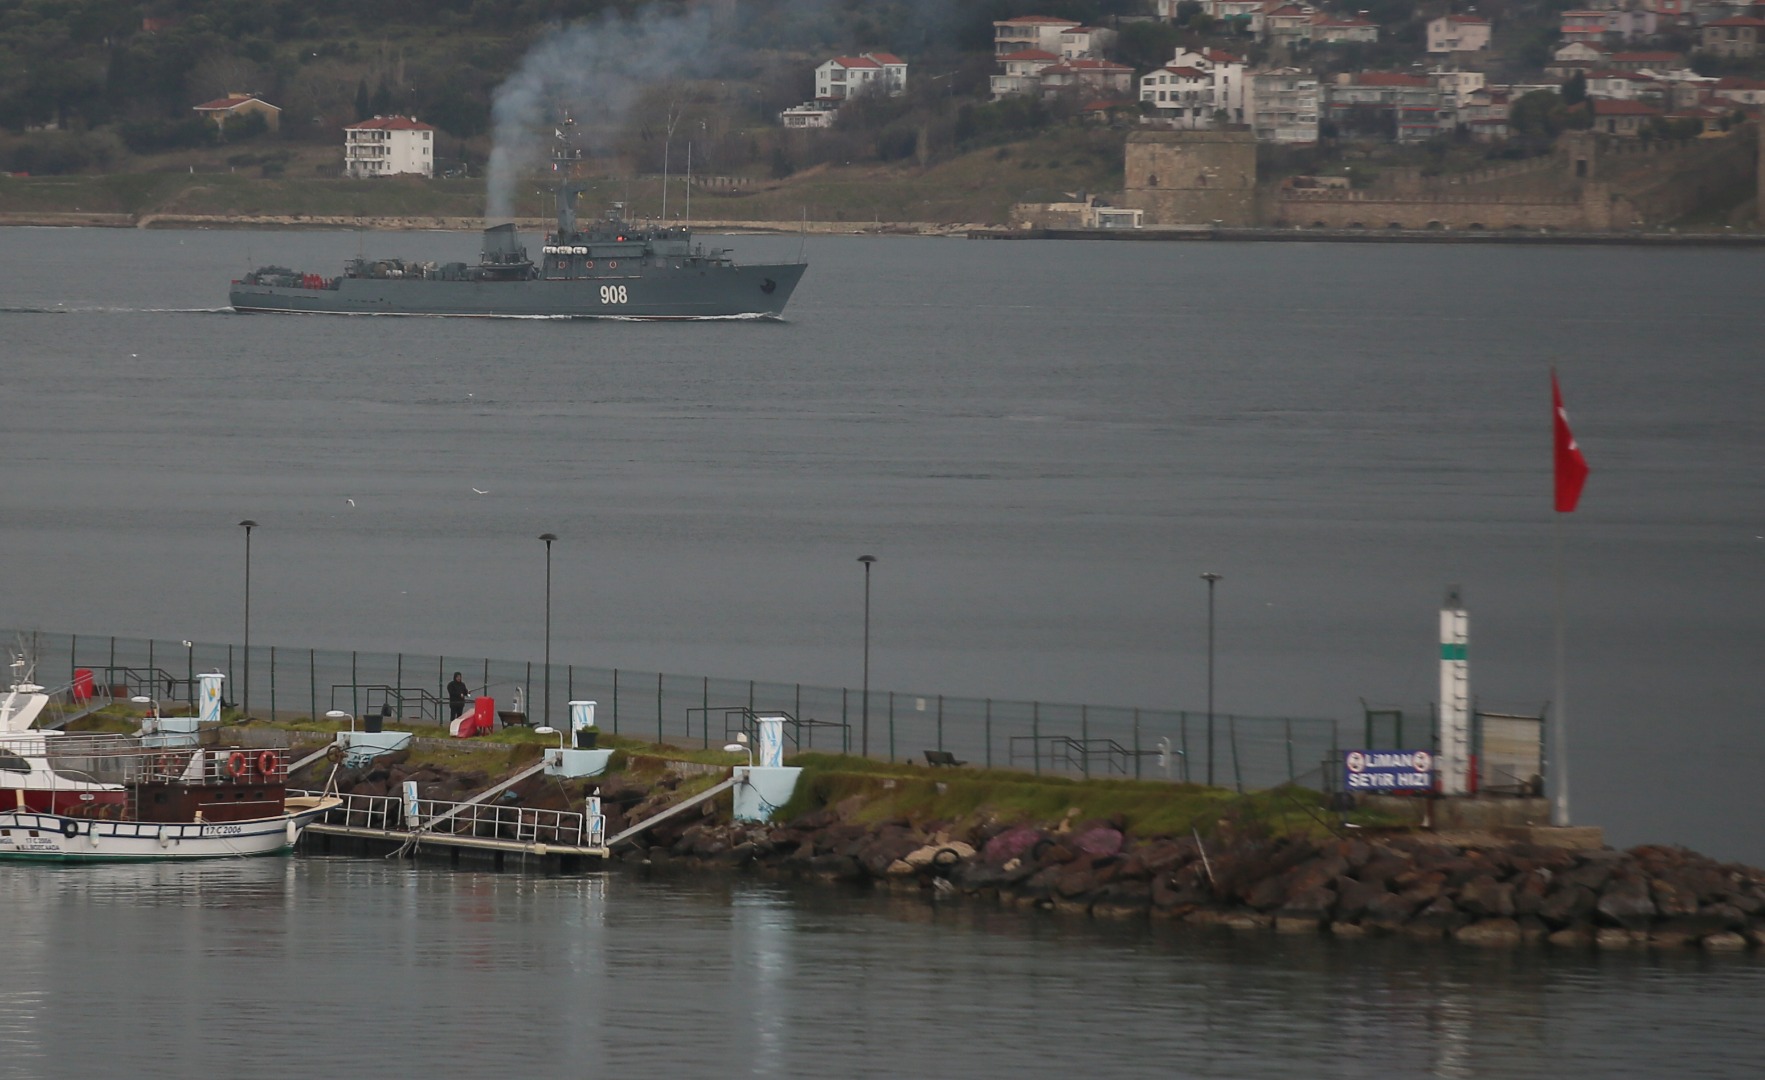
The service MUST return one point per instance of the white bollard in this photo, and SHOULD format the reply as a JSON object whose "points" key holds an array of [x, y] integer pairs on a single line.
{"points": [[208, 709], [771, 750], [581, 718]]}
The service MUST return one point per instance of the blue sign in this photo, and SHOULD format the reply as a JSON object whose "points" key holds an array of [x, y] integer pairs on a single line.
{"points": [[1387, 770]]}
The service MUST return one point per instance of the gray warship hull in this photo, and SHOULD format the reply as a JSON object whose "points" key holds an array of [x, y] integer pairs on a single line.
{"points": [[638, 292]]}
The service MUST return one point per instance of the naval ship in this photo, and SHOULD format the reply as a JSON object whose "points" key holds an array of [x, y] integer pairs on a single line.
{"points": [[612, 269]]}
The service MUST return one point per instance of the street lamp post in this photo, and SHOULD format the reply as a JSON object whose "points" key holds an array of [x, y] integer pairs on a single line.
{"points": [[190, 673], [1210, 578], [864, 738], [247, 525], [548, 538]]}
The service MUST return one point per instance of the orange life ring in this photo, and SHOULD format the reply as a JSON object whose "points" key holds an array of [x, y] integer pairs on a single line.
{"points": [[589, 264], [612, 264], [267, 762], [237, 765]]}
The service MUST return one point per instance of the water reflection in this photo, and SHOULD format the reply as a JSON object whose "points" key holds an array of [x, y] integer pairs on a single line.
{"points": [[389, 967]]}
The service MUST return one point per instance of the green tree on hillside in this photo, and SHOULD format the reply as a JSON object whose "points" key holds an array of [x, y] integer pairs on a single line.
{"points": [[1575, 90]]}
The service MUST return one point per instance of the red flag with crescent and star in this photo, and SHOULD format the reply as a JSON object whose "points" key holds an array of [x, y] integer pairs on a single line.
{"points": [[1571, 465]]}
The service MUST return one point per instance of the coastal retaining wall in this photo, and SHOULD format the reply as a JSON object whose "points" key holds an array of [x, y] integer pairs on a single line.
{"points": [[1370, 210]]}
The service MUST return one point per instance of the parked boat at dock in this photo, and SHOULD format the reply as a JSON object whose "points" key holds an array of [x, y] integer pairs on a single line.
{"points": [[105, 797]]}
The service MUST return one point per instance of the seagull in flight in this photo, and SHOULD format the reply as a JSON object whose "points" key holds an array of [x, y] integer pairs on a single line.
{"points": [[350, 501], [479, 491]]}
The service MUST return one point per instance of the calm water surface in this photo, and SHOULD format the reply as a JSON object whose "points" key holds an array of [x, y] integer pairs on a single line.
{"points": [[1045, 443], [331, 967]]}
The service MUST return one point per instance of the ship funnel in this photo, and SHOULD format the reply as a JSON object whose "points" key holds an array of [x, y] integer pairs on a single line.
{"points": [[502, 245]]}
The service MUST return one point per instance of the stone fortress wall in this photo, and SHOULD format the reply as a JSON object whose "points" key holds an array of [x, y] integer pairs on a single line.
{"points": [[1591, 183]]}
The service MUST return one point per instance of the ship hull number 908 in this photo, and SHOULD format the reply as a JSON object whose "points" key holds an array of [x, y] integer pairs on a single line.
{"points": [[613, 294]]}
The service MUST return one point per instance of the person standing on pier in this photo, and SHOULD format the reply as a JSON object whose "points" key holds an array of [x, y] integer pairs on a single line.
{"points": [[456, 695]]}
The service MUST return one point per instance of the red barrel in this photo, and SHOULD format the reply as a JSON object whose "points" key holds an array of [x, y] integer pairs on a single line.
{"points": [[483, 717], [82, 689]]}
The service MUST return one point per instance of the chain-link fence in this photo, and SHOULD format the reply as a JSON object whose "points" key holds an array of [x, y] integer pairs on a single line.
{"points": [[1093, 741]]}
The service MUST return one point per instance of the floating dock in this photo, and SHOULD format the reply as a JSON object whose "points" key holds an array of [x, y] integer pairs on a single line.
{"points": [[474, 830]]}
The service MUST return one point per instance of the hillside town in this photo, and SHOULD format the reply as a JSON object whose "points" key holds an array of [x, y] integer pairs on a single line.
{"points": [[897, 110], [1638, 68]]}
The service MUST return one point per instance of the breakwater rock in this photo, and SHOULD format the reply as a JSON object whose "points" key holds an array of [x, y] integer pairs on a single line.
{"points": [[1408, 885]]}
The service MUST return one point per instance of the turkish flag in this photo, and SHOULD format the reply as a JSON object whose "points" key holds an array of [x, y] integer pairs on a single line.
{"points": [[1571, 466]]}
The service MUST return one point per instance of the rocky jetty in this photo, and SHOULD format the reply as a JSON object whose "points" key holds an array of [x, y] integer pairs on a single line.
{"points": [[1365, 882], [1410, 885]]}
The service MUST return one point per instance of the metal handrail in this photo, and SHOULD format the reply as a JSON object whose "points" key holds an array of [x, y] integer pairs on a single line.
{"points": [[1075, 754], [428, 705], [498, 821], [740, 718]]}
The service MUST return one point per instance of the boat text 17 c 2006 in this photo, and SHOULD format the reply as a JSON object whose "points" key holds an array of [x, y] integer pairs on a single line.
{"points": [[611, 269]]}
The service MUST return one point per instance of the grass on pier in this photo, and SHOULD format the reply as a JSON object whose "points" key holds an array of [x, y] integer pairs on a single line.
{"points": [[966, 796]]}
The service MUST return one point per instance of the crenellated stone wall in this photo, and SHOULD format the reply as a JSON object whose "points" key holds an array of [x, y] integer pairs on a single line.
{"points": [[1600, 183]]}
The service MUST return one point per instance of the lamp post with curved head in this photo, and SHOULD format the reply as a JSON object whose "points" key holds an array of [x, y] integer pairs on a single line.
{"points": [[1210, 578], [864, 737], [548, 538], [245, 691]]}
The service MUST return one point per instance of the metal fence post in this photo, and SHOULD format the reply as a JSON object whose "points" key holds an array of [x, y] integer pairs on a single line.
{"points": [[272, 683], [1183, 732], [527, 699], [354, 679], [1085, 741], [891, 725], [658, 708], [615, 701], [845, 721], [312, 682], [1137, 744], [940, 722], [73, 656], [1289, 723], [989, 729], [705, 705], [1237, 768], [1036, 733]]}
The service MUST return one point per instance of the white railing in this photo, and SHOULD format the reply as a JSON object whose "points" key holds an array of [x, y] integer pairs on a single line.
{"points": [[489, 821]]}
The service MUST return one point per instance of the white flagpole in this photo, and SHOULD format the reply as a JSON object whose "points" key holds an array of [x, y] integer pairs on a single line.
{"points": [[1560, 723]]}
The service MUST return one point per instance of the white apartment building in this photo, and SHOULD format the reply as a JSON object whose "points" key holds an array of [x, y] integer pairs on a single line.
{"points": [[810, 114], [1283, 105], [844, 76], [388, 146], [1023, 72], [1195, 87], [1456, 87], [1041, 32], [1082, 42], [1458, 33]]}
